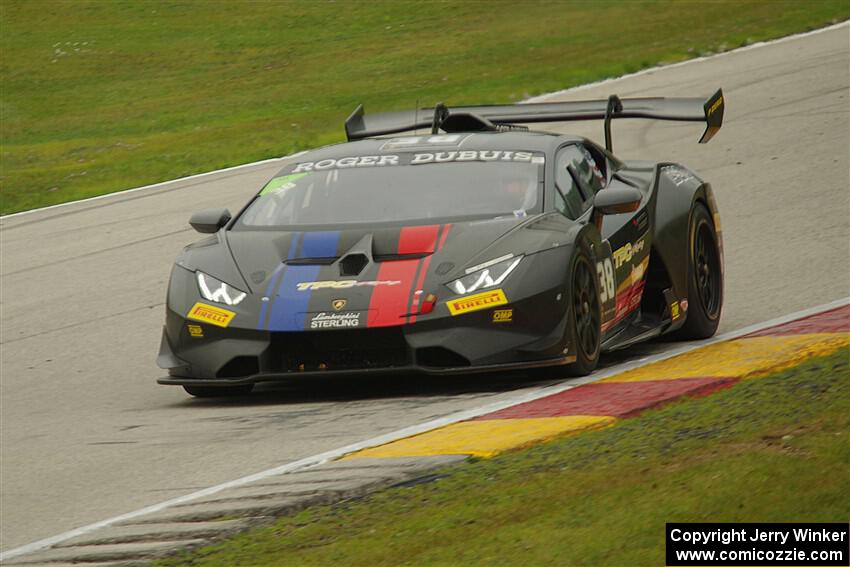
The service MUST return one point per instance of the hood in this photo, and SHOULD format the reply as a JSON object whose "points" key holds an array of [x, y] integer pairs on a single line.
{"points": [[357, 277]]}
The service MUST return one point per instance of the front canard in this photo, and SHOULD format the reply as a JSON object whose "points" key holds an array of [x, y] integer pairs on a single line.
{"points": [[478, 301], [209, 314]]}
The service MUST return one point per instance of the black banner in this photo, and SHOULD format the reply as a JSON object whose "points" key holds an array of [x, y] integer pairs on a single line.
{"points": [[761, 545]]}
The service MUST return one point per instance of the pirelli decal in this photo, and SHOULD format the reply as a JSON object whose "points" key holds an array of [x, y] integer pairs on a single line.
{"points": [[478, 301], [212, 315]]}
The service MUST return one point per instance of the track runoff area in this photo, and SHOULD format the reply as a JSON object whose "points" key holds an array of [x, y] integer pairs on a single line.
{"points": [[619, 392]]}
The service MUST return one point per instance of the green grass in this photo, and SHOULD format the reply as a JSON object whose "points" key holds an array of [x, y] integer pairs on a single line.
{"points": [[99, 96], [768, 450]]}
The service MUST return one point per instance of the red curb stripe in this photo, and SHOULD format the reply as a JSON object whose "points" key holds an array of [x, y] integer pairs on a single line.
{"points": [[618, 399], [833, 321]]}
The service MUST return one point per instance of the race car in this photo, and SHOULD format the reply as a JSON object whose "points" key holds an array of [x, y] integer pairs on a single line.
{"points": [[477, 246]]}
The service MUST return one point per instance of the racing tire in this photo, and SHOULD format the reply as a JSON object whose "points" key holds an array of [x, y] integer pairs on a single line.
{"points": [[218, 391], [584, 317], [705, 278]]}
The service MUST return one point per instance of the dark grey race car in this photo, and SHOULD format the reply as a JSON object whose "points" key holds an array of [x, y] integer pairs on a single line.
{"points": [[479, 246]]}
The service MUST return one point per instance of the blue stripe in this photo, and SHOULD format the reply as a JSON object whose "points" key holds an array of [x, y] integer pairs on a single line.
{"points": [[262, 323], [290, 305]]}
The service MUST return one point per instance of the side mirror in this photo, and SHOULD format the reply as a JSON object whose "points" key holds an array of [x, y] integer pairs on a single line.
{"points": [[616, 200], [209, 221]]}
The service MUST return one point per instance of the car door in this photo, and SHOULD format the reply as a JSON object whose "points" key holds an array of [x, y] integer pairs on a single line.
{"points": [[581, 172]]}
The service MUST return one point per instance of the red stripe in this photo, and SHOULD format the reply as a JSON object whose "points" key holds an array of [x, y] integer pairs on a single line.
{"points": [[418, 239], [446, 230], [389, 302], [417, 289]]}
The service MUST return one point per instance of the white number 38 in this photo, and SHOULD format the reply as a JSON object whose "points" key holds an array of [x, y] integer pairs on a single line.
{"points": [[606, 280]]}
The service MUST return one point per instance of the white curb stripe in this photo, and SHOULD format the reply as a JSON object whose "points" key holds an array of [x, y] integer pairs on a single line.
{"points": [[538, 98], [321, 458]]}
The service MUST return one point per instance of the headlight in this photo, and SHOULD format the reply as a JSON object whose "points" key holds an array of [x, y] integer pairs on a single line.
{"points": [[485, 275], [218, 291]]}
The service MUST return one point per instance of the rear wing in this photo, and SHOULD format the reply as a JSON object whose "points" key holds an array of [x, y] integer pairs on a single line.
{"points": [[509, 116]]}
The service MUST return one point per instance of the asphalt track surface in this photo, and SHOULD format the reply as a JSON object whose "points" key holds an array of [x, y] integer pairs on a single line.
{"points": [[85, 434]]}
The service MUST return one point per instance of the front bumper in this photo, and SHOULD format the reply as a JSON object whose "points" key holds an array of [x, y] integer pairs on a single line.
{"points": [[470, 343]]}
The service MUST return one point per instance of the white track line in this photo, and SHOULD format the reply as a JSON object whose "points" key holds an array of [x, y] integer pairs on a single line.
{"points": [[538, 98], [413, 430]]}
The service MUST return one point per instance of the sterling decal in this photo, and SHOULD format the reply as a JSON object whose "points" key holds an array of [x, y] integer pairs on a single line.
{"points": [[335, 320], [342, 284], [209, 314], [478, 301]]}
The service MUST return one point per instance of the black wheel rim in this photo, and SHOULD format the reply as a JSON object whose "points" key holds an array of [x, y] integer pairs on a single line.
{"points": [[707, 270], [586, 310]]}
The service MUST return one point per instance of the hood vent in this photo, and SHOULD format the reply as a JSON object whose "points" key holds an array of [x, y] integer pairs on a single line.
{"points": [[353, 264]]}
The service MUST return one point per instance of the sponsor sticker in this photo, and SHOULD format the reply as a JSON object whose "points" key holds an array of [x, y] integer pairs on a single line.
{"points": [[626, 252], [212, 315], [342, 284], [335, 320], [339, 304], [503, 316], [478, 301], [195, 331], [674, 310], [389, 160]]}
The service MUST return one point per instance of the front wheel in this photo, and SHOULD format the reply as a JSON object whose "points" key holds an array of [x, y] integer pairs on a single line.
{"points": [[585, 317], [218, 391], [705, 278]]}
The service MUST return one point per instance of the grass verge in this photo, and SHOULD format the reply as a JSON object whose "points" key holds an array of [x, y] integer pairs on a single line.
{"points": [[98, 96], [768, 450]]}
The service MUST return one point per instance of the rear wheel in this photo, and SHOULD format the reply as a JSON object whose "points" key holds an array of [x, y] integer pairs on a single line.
{"points": [[705, 279], [218, 391], [585, 317]]}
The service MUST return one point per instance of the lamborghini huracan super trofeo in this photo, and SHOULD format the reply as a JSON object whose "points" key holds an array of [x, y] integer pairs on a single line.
{"points": [[478, 245]]}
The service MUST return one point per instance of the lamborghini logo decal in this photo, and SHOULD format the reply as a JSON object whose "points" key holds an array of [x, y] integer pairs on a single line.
{"points": [[339, 304]]}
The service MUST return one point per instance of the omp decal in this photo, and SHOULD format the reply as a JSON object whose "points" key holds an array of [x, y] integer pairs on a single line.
{"points": [[282, 183], [209, 314], [289, 306], [626, 252], [478, 301], [195, 331], [335, 320], [389, 304], [503, 316], [343, 284]]}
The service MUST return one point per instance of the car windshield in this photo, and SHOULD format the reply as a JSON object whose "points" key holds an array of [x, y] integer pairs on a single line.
{"points": [[397, 188]]}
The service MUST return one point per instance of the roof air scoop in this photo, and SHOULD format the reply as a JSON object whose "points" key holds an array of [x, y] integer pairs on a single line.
{"points": [[357, 257], [353, 264]]}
